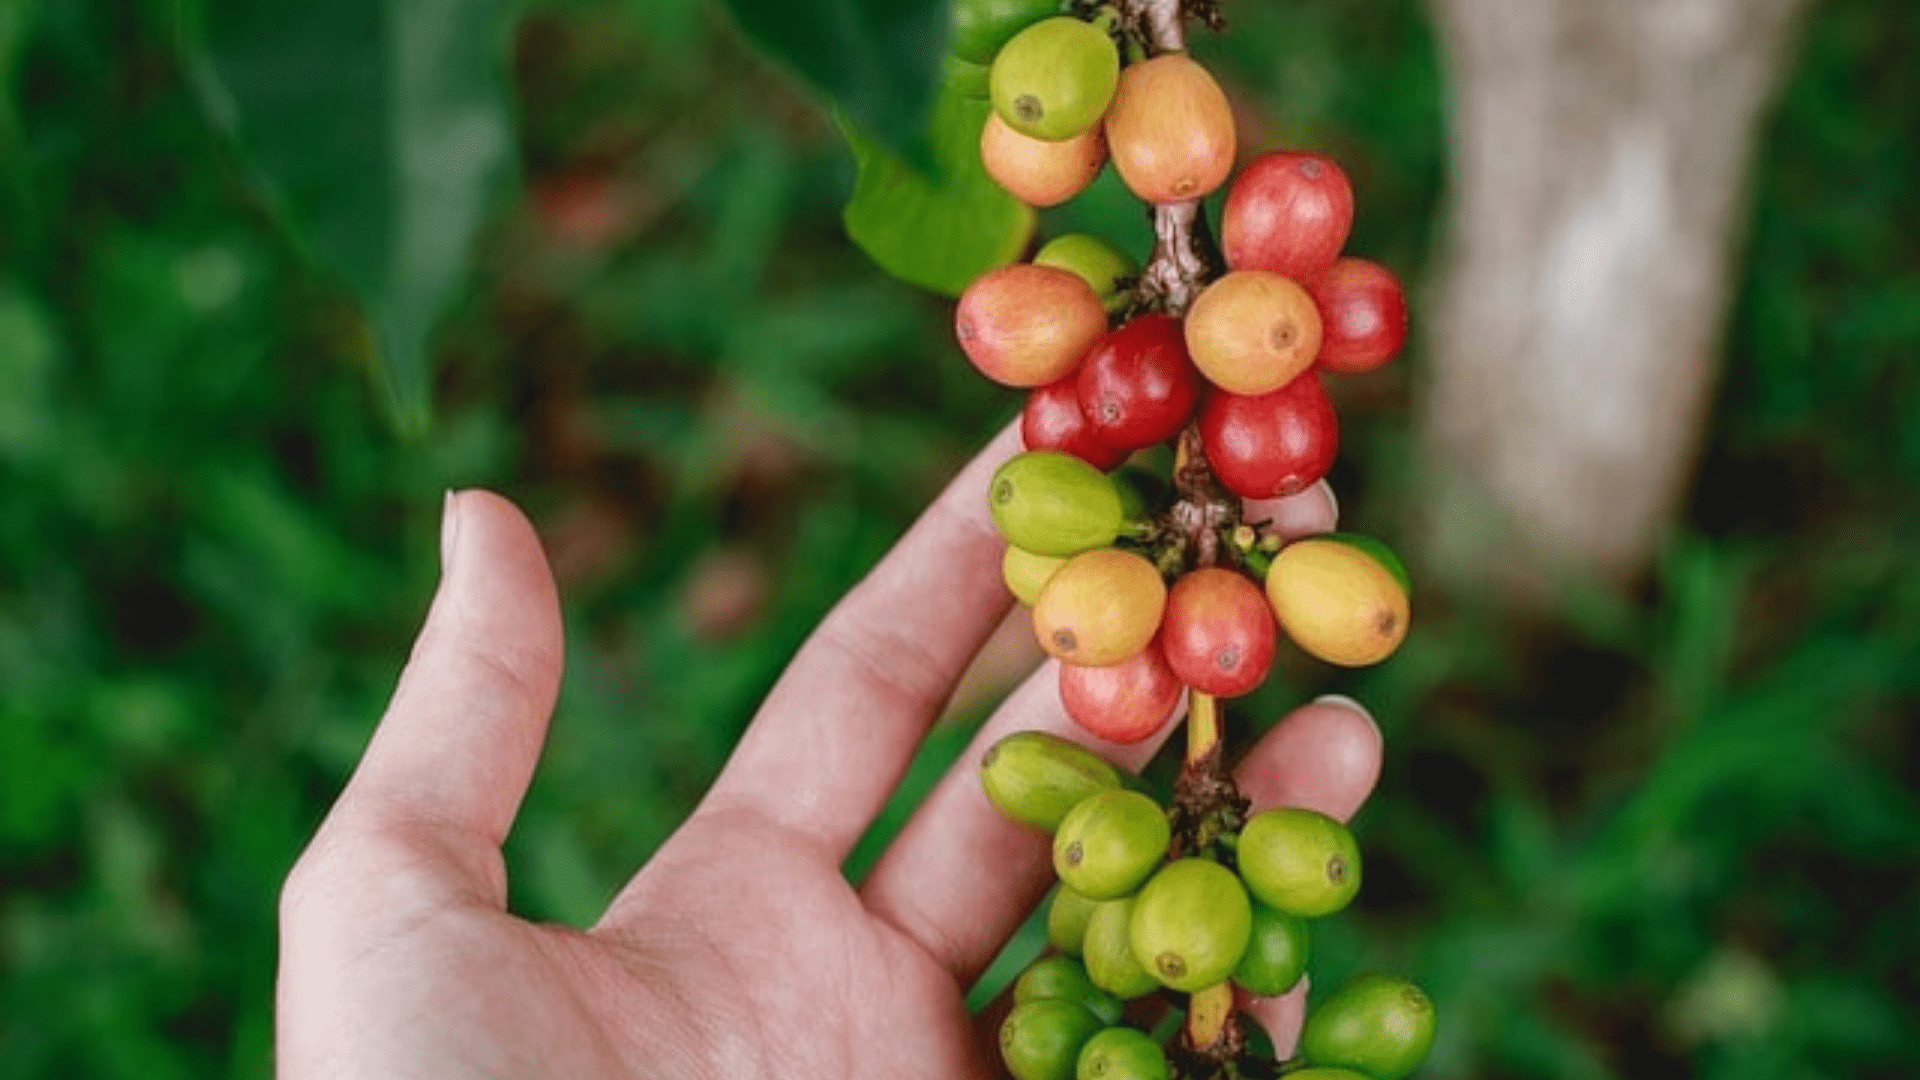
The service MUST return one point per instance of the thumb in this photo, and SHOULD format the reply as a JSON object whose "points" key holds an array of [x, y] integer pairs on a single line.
{"points": [[458, 744]]}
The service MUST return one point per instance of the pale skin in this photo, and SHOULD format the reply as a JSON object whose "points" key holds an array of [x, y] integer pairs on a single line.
{"points": [[739, 949]]}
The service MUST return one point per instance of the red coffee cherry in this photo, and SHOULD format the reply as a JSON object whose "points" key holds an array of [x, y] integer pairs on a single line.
{"points": [[1137, 387], [1363, 315], [1053, 420], [1124, 703], [1288, 212], [1274, 444], [1218, 632], [1026, 325]]}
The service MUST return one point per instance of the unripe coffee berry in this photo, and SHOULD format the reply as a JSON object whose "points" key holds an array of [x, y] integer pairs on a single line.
{"points": [[1170, 130], [1252, 332], [1190, 924], [1038, 172], [1101, 608], [1025, 325], [1054, 79], [1299, 861], [1109, 843]]}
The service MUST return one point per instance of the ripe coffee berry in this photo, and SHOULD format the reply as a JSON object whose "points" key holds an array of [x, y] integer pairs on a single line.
{"points": [[1126, 702], [1363, 315], [1053, 420], [1272, 445], [1218, 632], [1026, 325], [1137, 387], [1100, 608], [1288, 213]]}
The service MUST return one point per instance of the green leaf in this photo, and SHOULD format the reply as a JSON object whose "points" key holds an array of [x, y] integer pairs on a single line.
{"points": [[942, 228], [878, 60], [378, 131]]}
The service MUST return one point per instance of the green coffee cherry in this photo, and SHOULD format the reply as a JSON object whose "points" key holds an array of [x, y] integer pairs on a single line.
{"points": [[1035, 777], [1041, 1040], [1067, 917], [1326, 1072], [1276, 953], [1378, 1025], [1108, 952], [1062, 978], [1109, 843], [1052, 503], [1299, 861], [1190, 924], [1098, 263], [981, 27], [1054, 79], [1120, 1053]]}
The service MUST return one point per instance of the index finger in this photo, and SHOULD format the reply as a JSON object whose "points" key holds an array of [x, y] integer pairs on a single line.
{"points": [[840, 727]]}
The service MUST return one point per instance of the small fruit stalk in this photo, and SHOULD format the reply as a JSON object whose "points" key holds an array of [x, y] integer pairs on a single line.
{"points": [[1145, 586]]}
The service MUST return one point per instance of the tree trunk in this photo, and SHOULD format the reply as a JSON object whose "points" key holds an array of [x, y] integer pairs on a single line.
{"points": [[1601, 156]]}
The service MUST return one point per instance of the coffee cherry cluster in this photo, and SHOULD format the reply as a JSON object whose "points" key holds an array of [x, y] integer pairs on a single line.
{"points": [[1145, 586], [1131, 921]]}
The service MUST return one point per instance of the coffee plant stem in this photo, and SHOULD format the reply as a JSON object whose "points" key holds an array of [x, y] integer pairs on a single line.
{"points": [[1203, 725]]}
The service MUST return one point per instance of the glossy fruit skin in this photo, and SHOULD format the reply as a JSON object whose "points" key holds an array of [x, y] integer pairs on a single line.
{"points": [[1099, 609], [1026, 573], [1097, 262], [1051, 503], [1366, 545], [1252, 332], [1218, 632], [1053, 420], [1276, 953], [1125, 702], [1170, 130], [1299, 861], [1120, 1053], [1039, 172], [1377, 1025], [1063, 978], [1054, 79], [1034, 777], [1190, 924], [1363, 315], [1136, 386], [1273, 445], [1288, 212], [1024, 325], [1108, 951], [1109, 843], [981, 27], [1338, 602], [1041, 1040], [1067, 916]]}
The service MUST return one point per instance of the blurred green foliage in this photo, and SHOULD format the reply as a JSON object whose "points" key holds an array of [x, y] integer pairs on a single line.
{"points": [[1667, 835]]}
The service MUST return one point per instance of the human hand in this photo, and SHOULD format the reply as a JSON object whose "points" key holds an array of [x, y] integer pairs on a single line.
{"points": [[739, 949]]}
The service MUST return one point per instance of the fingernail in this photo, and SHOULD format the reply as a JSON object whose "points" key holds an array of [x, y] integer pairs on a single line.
{"points": [[1344, 700], [449, 532], [1332, 500]]}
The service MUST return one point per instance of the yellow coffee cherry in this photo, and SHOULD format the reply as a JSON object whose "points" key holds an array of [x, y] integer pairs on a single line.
{"points": [[1338, 602]]}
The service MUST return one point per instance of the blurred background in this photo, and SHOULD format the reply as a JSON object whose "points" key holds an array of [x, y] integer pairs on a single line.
{"points": [[1657, 820]]}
